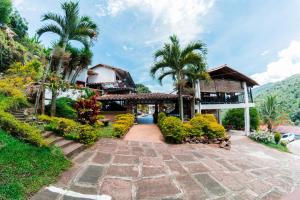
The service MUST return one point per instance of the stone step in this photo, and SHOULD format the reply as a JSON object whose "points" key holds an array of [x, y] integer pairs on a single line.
{"points": [[73, 149], [54, 139], [47, 134], [64, 143]]}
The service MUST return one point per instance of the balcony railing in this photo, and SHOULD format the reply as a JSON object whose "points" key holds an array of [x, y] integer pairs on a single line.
{"points": [[224, 98]]}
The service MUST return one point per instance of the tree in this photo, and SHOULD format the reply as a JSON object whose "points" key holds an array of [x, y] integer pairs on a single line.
{"points": [[235, 119], [269, 111], [173, 61], [5, 11], [69, 27], [141, 88], [196, 73], [18, 24]]}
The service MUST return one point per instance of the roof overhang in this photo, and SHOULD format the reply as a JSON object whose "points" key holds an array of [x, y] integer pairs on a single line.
{"points": [[225, 72], [141, 97]]}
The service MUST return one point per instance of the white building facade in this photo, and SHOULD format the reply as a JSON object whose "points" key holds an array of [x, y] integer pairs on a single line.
{"points": [[228, 89]]}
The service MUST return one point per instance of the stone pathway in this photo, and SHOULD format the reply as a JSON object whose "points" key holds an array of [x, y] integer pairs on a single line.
{"points": [[126, 170], [145, 133]]}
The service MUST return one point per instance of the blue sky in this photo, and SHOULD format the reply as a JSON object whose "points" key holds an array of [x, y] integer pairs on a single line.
{"points": [[258, 38]]}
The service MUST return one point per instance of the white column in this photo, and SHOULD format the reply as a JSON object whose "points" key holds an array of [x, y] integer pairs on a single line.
{"points": [[246, 111], [198, 92]]}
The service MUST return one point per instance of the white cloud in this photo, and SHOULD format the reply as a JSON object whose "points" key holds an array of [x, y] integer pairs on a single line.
{"points": [[288, 64], [265, 52], [181, 17], [17, 2]]}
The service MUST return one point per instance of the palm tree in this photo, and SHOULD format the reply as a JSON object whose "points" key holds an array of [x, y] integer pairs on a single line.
{"points": [[173, 61], [196, 73], [69, 26], [85, 59], [269, 111]]}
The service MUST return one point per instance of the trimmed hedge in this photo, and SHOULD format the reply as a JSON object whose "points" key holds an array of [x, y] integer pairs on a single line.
{"points": [[173, 130], [122, 124], [10, 124], [202, 125], [70, 129]]}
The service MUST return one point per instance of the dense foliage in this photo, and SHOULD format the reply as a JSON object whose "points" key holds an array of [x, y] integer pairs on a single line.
{"points": [[25, 168], [12, 96], [18, 24], [5, 10], [64, 108], [287, 93], [141, 88], [234, 119], [14, 51], [202, 125], [122, 124]]}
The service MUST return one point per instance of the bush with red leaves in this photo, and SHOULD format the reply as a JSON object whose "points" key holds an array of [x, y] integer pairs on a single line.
{"points": [[88, 110]]}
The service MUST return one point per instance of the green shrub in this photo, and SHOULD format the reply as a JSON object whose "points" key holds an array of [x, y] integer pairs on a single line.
{"points": [[215, 130], [208, 117], [65, 108], [235, 118], [277, 137], [70, 129], [122, 124], [283, 143], [173, 130], [87, 134], [199, 126], [160, 118]]}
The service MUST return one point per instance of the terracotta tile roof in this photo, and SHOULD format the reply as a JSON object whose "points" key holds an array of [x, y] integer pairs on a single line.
{"points": [[140, 96]]}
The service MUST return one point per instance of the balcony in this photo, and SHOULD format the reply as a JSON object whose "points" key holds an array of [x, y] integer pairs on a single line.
{"points": [[224, 98]]}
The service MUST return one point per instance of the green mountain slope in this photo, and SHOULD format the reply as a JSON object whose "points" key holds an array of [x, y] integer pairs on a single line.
{"points": [[287, 93]]}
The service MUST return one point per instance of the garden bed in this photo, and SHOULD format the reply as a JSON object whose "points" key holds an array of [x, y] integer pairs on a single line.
{"points": [[267, 139]]}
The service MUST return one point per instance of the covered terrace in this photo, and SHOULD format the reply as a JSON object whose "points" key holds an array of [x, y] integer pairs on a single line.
{"points": [[130, 101]]}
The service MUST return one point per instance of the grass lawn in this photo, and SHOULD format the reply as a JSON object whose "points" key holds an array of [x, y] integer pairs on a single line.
{"points": [[24, 168], [277, 146], [106, 132]]}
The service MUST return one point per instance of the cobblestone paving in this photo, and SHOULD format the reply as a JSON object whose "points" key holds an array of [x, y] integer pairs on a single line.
{"points": [[128, 170]]}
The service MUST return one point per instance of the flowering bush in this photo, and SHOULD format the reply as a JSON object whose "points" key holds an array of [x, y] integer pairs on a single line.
{"points": [[88, 110], [265, 137]]}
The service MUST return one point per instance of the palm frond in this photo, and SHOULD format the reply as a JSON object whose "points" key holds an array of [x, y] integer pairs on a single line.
{"points": [[54, 17], [158, 66], [82, 39], [50, 28], [164, 74], [194, 46]]}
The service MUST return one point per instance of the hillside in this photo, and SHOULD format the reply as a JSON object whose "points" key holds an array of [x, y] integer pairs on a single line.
{"points": [[287, 93]]}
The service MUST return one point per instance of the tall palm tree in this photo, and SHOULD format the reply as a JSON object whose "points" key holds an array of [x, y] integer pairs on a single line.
{"points": [[196, 73], [173, 61], [269, 111], [69, 26]]}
